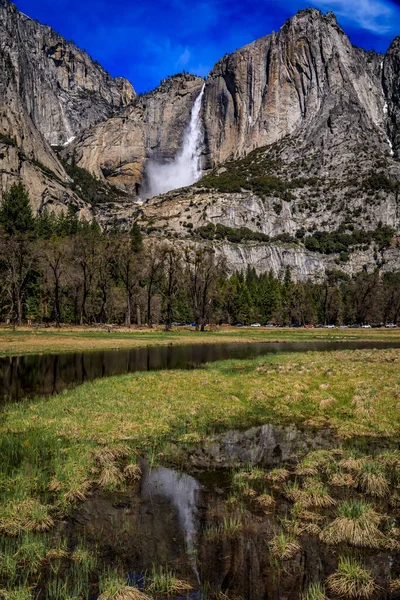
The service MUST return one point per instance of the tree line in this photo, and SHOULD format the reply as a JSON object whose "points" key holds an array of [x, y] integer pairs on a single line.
{"points": [[60, 269]]}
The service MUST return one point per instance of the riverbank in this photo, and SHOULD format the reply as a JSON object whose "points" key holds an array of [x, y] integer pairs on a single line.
{"points": [[26, 340], [61, 451]]}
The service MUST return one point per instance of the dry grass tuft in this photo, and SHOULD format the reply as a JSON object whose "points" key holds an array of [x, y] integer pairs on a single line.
{"points": [[313, 494], [124, 593], [277, 476], [356, 524], [316, 462], [110, 477], [266, 502], [78, 493], [56, 554], [352, 464], [284, 546], [372, 480], [310, 528], [394, 586], [25, 516], [249, 492], [342, 480], [107, 455], [133, 472], [351, 580], [306, 471]]}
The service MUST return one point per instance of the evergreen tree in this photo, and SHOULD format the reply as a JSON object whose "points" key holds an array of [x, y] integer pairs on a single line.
{"points": [[136, 238], [45, 225], [15, 211]]}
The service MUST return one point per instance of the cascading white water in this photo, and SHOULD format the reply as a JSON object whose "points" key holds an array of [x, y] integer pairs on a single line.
{"points": [[182, 491], [185, 168]]}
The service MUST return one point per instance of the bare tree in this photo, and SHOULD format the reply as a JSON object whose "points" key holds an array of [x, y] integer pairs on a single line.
{"points": [[127, 267], [19, 262], [86, 253], [54, 262], [152, 274], [202, 271], [104, 280], [171, 281]]}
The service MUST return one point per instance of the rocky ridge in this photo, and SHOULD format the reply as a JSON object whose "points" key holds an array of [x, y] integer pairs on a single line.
{"points": [[322, 117], [301, 138], [63, 89]]}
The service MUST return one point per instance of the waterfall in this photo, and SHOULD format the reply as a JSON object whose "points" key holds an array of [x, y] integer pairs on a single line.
{"points": [[182, 491], [185, 168]]}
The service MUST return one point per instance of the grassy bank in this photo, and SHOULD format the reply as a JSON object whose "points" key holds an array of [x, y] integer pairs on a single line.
{"points": [[55, 452], [30, 341]]}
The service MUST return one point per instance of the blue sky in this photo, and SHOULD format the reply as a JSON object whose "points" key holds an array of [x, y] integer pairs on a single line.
{"points": [[146, 40]]}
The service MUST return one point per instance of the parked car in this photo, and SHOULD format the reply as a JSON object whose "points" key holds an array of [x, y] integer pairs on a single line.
{"points": [[343, 326], [239, 325], [390, 325], [355, 326], [309, 326], [329, 327], [366, 326], [255, 325], [269, 325], [319, 326], [295, 325]]}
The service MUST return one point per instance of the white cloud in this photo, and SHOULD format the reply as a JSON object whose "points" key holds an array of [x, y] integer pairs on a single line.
{"points": [[377, 16], [183, 59]]}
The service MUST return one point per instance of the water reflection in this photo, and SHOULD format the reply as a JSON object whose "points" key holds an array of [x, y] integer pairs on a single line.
{"points": [[34, 375]]}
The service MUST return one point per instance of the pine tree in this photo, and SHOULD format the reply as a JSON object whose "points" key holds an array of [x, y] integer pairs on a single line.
{"points": [[136, 238], [15, 211]]}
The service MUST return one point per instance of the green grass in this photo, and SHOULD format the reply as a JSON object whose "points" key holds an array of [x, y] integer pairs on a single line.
{"points": [[56, 451], [351, 580], [72, 339]]}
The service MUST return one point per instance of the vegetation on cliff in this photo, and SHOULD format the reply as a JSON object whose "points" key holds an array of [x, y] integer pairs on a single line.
{"points": [[62, 269]]}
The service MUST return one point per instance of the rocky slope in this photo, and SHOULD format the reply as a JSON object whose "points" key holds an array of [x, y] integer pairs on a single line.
{"points": [[63, 89], [150, 128], [287, 83], [301, 143], [391, 86], [324, 116], [49, 91], [24, 153]]}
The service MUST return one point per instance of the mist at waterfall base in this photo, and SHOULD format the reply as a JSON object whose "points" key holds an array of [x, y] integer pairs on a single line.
{"points": [[185, 168]]}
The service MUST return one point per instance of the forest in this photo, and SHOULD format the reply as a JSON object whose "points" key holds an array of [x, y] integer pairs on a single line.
{"points": [[60, 269]]}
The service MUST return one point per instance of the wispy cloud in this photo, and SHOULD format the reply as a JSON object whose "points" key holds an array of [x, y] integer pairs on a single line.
{"points": [[183, 59], [376, 16]]}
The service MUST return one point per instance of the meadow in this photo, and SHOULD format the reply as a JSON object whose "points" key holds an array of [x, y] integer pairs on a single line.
{"points": [[59, 451], [28, 340]]}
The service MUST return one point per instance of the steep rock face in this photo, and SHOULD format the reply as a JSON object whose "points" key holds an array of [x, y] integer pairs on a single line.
{"points": [[63, 89], [391, 85], [316, 110], [24, 153], [151, 127], [283, 83]]}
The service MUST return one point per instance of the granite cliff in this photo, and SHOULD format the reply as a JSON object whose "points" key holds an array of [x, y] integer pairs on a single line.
{"points": [[301, 136], [150, 128], [63, 89], [301, 140]]}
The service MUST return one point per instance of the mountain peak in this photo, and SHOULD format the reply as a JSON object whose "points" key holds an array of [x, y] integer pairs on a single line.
{"points": [[313, 16]]}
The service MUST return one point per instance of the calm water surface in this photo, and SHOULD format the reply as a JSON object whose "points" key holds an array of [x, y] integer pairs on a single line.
{"points": [[46, 374]]}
